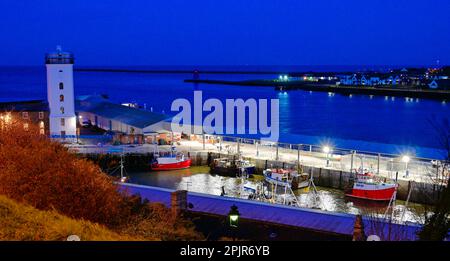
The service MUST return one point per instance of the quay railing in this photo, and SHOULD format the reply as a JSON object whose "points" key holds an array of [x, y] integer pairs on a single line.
{"points": [[385, 164]]}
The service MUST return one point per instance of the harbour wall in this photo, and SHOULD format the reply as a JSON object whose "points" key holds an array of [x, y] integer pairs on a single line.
{"points": [[411, 92], [419, 192], [339, 225]]}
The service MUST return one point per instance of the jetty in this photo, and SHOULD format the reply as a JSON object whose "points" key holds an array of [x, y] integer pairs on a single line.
{"points": [[442, 95]]}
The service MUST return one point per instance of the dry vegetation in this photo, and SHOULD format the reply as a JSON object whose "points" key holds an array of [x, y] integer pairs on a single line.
{"points": [[22, 222], [44, 175]]}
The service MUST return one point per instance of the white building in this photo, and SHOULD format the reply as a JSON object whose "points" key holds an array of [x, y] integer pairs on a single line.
{"points": [[60, 94]]}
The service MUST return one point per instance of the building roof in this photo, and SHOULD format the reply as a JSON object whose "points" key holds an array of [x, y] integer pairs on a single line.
{"points": [[128, 115], [31, 105]]}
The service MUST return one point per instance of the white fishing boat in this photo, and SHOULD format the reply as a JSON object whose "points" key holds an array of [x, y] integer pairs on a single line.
{"points": [[286, 178]]}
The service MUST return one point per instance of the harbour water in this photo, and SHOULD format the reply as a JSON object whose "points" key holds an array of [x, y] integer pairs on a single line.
{"points": [[387, 125], [198, 179]]}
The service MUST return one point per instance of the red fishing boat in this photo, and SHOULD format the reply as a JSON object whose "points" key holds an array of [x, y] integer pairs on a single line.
{"points": [[171, 163], [366, 186]]}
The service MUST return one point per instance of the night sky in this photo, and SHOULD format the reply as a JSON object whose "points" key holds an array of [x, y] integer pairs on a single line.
{"points": [[231, 32]]}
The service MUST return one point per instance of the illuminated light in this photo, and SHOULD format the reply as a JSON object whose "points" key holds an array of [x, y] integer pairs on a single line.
{"points": [[326, 149], [280, 77], [406, 158], [80, 117], [233, 216]]}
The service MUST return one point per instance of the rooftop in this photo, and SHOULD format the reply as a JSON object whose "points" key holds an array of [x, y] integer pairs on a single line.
{"points": [[102, 107], [30, 105]]}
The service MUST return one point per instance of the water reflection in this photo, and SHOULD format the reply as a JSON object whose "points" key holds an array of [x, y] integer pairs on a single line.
{"points": [[196, 179]]}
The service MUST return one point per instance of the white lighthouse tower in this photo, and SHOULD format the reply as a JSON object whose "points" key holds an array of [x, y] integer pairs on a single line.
{"points": [[60, 94]]}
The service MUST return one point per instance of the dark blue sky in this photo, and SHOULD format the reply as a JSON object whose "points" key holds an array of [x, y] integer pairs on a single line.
{"points": [[231, 32]]}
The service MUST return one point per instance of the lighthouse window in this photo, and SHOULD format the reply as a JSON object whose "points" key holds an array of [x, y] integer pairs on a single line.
{"points": [[63, 122], [61, 98], [62, 110], [61, 85]]}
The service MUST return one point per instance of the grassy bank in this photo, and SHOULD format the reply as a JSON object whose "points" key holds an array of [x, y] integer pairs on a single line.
{"points": [[22, 222]]}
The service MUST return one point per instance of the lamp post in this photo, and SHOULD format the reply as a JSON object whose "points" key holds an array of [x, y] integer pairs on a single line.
{"points": [[406, 160], [233, 218], [327, 151]]}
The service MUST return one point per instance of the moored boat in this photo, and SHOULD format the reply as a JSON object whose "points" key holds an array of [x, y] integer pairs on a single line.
{"points": [[367, 187], [172, 162], [231, 167], [286, 178]]}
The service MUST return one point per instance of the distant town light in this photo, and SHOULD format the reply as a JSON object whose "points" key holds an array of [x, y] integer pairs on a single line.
{"points": [[326, 149]]}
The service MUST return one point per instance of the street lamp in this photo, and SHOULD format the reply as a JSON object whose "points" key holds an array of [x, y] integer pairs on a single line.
{"points": [[233, 216], [327, 150], [406, 159]]}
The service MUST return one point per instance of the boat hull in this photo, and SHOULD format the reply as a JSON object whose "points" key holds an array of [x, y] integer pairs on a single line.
{"points": [[378, 194], [172, 166], [231, 171]]}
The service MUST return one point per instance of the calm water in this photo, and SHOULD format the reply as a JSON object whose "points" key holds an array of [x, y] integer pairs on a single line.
{"points": [[197, 179], [359, 122]]}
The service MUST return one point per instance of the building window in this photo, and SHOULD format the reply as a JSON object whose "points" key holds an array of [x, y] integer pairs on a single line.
{"points": [[61, 86], [42, 131], [41, 115], [25, 115], [63, 122], [25, 126], [60, 70], [61, 98], [62, 110], [41, 124], [63, 134]]}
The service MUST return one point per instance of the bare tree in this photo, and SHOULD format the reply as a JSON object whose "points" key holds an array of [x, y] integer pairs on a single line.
{"points": [[437, 225]]}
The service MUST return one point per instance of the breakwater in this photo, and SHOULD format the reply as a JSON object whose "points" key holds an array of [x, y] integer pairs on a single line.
{"points": [[443, 95]]}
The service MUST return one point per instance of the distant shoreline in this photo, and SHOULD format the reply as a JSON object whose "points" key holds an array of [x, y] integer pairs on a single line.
{"points": [[348, 90]]}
